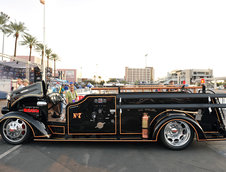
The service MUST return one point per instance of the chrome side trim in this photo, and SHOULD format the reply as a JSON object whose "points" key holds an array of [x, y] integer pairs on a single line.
{"points": [[41, 103]]}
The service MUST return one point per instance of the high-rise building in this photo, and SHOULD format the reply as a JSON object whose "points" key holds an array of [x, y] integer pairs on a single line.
{"points": [[189, 76], [144, 75]]}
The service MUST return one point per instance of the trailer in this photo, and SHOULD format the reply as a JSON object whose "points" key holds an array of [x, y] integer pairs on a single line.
{"points": [[172, 118]]}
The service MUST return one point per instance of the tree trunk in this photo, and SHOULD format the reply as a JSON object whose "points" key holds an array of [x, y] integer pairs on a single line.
{"points": [[28, 71], [47, 61], [15, 45], [42, 57], [30, 53], [54, 68]]}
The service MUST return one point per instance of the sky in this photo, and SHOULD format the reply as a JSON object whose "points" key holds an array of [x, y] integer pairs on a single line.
{"points": [[102, 37]]}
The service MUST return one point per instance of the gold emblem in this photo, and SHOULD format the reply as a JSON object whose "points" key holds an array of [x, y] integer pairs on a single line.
{"points": [[77, 115]]}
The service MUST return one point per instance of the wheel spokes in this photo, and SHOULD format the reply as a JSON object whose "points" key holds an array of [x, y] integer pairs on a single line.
{"points": [[14, 129], [177, 133]]}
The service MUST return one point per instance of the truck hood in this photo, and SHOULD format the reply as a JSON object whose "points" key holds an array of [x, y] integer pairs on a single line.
{"points": [[34, 90]]}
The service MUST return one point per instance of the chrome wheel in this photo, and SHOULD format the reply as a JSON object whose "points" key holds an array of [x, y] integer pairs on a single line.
{"points": [[177, 134], [14, 130]]}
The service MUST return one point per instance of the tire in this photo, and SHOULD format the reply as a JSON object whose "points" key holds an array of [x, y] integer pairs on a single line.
{"points": [[177, 135], [15, 131]]}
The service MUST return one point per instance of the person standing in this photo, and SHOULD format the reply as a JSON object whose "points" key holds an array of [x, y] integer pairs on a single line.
{"points": [[20, 83], [171, 84], [25, 82], [71, 95]]}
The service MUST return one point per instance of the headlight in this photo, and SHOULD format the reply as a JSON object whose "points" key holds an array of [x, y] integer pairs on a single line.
{"points": [[8, 96]]}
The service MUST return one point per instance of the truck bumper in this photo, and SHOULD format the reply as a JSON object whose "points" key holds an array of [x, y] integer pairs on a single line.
{"points": [[5, 110]]}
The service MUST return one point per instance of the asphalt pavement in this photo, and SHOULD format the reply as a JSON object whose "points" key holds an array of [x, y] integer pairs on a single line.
{"points": [[110, 157]]}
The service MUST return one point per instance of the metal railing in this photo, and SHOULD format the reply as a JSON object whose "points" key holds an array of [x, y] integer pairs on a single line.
{"points": [[156, 88]]}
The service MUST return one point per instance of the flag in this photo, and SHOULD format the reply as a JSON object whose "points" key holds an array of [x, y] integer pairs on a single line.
{"points": [[42, 1]]}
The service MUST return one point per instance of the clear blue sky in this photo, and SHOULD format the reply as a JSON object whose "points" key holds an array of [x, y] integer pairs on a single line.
{"points": [[104, 36]]}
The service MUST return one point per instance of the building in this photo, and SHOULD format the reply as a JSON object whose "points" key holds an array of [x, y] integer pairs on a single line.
{"points": [[189, 76], [34, 59], [142, 75], [67, 74], [17, 69]]}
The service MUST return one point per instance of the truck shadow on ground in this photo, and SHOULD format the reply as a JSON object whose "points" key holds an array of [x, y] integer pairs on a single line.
{"points": [[139, 146]]}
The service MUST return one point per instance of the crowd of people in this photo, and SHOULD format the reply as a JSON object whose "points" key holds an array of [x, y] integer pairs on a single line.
{"points": [[22, 83], [67, 91]]}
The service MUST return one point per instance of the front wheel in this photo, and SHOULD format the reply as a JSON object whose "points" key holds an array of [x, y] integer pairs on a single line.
{"points": [[15, 131], [177, 135]]}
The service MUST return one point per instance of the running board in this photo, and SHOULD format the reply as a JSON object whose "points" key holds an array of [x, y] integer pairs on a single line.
{"points": [[93, 140]]}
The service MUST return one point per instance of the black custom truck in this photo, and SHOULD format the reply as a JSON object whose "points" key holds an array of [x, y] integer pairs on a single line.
{"points": [[174, 118]]}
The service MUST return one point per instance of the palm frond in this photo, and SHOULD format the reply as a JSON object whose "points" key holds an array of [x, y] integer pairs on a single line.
{"points": [[17, 28], [3, 18], [54, 57], [29, 40], [48, 52], [3, 23], [39, 47], [6, 30]]}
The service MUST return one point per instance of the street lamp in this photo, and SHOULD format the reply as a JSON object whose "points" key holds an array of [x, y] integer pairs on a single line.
{"points": [[44, 49], [146, 55], [146, 65]]}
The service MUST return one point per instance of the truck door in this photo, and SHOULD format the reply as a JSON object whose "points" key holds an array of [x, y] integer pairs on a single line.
{"points": [[93, 115]]}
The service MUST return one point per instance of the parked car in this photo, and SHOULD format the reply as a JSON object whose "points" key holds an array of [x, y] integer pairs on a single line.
{"points": [[174, 118], [3, 95]]}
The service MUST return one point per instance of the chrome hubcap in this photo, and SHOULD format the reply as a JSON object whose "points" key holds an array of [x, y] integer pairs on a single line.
{"points": [[177, 133], [14, 130]]}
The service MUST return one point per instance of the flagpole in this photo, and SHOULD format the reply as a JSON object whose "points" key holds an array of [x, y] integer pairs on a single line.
{"points": [[44, 48]]}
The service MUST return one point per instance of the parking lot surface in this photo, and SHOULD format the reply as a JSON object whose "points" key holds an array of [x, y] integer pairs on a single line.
{"points": [[110, 157]]}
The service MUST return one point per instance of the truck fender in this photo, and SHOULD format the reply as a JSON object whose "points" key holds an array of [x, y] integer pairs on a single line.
{"points": [[191, 122], [38, 128]]}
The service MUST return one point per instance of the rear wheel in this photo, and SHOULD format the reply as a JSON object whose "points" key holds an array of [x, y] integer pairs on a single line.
{"points": [[177, 135], [15, 131]]}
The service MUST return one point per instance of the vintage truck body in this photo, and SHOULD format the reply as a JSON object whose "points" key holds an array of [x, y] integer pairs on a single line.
{"points": [[174, 118]]}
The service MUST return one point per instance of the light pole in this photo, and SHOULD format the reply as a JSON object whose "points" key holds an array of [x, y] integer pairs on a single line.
{"points": [[3, 42], [44, 46], [146, 65], [146, 56]]}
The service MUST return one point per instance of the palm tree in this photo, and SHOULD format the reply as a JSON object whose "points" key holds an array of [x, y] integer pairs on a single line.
{"points": [[3, 20], [48, 53], [40, 48], [4, 28], [29, 41], [99, 78], [55, 58], [17, 29]]}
